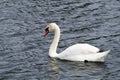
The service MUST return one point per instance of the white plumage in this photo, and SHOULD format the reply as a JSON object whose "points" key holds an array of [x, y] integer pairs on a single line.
{"points": [[77, 52]]}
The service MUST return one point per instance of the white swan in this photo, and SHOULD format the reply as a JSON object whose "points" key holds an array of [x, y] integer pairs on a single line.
{"points": [[77, 52]]}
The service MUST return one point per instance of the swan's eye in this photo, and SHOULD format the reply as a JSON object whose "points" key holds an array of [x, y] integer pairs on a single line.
{"points": [[46, 31]]}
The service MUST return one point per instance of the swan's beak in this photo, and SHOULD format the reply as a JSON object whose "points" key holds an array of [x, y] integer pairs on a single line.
{"points": [[46, 31]]}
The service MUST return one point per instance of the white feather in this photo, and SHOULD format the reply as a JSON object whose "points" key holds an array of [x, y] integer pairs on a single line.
{"points": [[77, 52]]}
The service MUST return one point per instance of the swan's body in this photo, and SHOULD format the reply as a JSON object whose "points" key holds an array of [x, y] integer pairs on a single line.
{"points": [[77, 52]]}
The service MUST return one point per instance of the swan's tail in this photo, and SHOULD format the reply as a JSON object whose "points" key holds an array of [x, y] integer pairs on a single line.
{"points": [[103, 55]]}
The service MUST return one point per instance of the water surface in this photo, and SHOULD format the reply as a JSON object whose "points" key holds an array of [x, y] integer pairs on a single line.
{"points": [[24, 49]]}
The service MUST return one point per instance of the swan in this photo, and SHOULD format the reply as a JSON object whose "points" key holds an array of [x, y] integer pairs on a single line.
{"points": [[77, 52]]}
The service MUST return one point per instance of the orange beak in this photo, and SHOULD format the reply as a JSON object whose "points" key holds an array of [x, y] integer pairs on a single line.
{"points": [[46, 31]]}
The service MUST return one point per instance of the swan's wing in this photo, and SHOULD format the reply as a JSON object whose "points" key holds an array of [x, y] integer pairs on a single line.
{"points": [[79, 49], [82, 49]]}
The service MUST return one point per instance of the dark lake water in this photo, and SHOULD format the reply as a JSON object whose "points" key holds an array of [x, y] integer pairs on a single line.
{"points": [[24, 49]]}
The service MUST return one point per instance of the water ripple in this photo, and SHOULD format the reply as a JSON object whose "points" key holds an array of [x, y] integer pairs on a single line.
{"points": [[24, 49]]}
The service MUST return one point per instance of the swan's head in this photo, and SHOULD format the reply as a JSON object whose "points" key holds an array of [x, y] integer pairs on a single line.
{"points": [[50, 27]]}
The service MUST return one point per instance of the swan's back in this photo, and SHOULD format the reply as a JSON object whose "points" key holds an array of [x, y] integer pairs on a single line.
{"points": [[81, 49], [82, 52]]}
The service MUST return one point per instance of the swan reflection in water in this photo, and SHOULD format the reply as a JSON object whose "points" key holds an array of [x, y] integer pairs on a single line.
{"points": [[67, 69]]}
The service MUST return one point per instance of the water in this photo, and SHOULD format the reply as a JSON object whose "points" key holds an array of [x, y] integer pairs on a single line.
{"points": [[24, 49]]}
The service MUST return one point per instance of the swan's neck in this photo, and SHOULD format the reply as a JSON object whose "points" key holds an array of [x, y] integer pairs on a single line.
{"points": [[53, 47]]}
